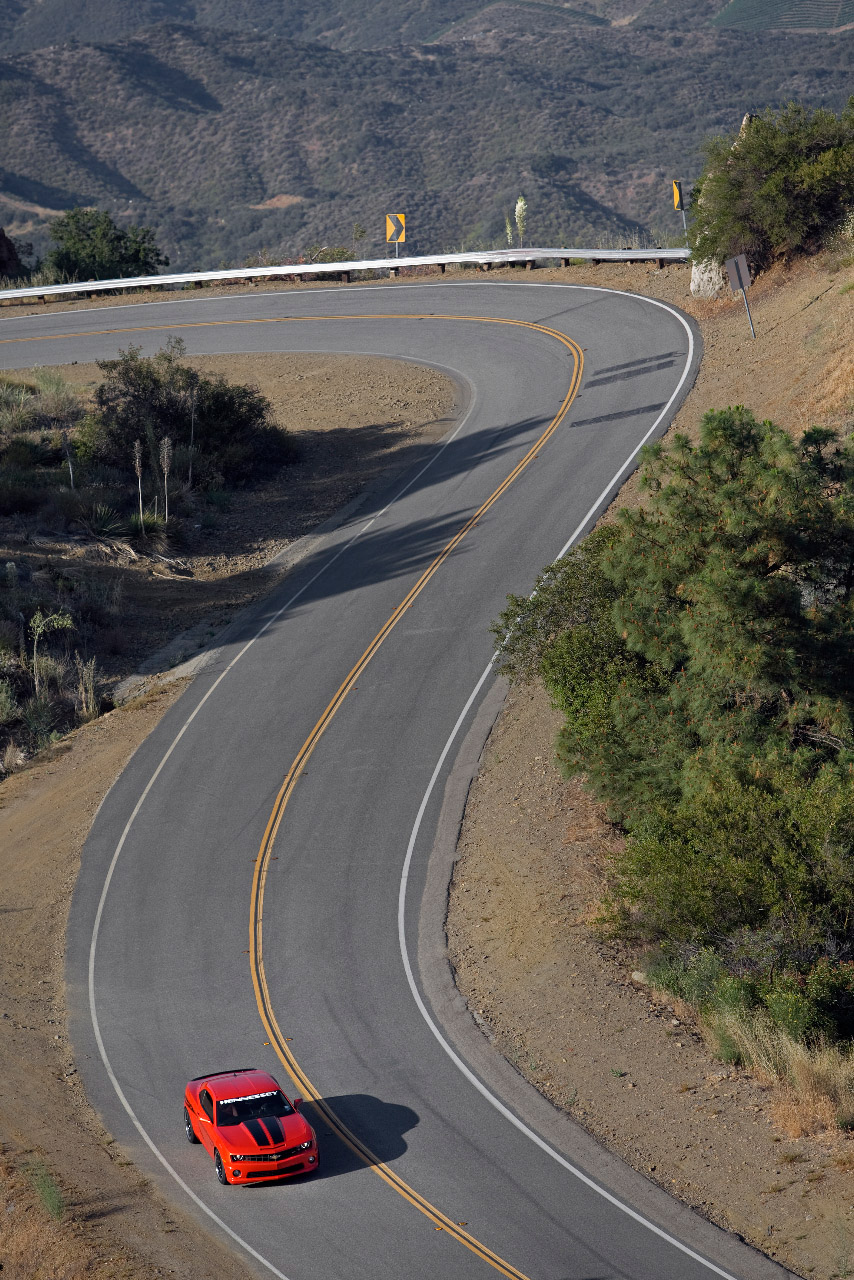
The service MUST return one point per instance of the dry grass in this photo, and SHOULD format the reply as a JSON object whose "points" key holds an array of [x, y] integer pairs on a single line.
{"points": [[39, 1242], [835, 387], [814, 1087]]}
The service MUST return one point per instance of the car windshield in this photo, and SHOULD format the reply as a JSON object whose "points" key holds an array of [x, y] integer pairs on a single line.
{"points": [[256, 1107]]}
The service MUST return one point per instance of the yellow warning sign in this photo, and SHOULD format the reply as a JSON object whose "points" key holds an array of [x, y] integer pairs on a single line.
{"points": [[395, 228], [677, 196]]}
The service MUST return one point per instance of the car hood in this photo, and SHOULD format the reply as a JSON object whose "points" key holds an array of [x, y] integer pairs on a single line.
{"points": [[264, 1135]]}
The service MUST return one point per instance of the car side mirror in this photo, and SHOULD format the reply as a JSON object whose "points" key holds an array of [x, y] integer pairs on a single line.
{"points": [[297, 1103]]}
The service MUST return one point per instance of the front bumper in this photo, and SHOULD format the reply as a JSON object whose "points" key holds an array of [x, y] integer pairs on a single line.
{"points": [[270, 1170]]}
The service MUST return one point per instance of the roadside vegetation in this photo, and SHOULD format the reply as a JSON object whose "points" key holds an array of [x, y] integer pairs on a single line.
{"points": [[159, 446], [700, 652], [87, 245], [777, 188]]}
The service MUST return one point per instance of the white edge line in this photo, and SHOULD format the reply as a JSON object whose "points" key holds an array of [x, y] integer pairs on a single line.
{"points": [[404, 880], [311, 293], [93, 1013]]}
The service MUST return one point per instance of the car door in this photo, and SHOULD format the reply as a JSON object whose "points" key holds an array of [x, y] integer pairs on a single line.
{"points": [[205, 1129]]}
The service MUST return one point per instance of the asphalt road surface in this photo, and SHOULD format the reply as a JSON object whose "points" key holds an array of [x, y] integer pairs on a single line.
{"points": [[167, 975]]}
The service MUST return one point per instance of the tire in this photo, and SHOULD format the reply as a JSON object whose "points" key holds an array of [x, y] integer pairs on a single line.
{"points": [[219, 1168], [188, 1128]]}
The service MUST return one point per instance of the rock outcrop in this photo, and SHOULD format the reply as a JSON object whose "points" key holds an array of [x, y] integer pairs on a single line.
{"points": [[707, 279]]}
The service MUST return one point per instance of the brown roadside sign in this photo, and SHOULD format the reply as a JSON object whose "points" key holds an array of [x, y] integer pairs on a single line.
{"points": [[738, 272]]}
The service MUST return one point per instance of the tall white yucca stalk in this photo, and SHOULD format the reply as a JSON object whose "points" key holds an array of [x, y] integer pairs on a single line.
{"points": [[137, 466], [166, 463], [521, 218]]}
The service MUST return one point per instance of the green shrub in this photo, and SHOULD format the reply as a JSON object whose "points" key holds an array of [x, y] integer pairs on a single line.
{"points": [[219, 499], [151, 531], [791, 1008], [327, 253], [740, 856], [700, 652], [103, 521], [64, 507], [706, 635], [40, 716], [148, 397], [8, 703], [776, 188], [17, 497], [96, 600], [89, 246], [21, 453], [811, 1008]]}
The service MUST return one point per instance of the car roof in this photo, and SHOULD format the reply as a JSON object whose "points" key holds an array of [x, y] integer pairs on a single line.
{"points": [[238, 1084]]}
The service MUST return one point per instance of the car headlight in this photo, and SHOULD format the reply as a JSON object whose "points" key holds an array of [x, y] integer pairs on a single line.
{"points": [[235, 1158], [304, 1146]]}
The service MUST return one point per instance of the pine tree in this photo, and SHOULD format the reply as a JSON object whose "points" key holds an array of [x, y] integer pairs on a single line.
{"points": [[700, 650]]}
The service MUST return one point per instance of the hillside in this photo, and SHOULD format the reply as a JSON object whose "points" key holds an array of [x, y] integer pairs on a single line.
{"points": [[229, 144], [804, 15], [363, 24], [345, 24]]}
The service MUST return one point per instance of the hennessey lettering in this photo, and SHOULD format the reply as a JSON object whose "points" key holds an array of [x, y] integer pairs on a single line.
{"points": [[247, 1097]]}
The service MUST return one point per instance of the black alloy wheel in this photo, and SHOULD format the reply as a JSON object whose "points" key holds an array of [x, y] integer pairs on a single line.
{"points": [[188, 1127], [222, 1176]]}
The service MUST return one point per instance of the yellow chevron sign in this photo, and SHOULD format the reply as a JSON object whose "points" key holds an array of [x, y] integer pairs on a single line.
{"points": [[678, 203], [395, 228]]}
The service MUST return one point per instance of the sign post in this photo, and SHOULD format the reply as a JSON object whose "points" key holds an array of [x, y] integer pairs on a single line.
{"points": [[679, 205], [395, 230], [739, 279]]}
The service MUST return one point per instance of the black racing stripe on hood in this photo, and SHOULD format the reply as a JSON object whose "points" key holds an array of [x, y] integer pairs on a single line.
{"points": [[275, 1129], [259, 1133]]}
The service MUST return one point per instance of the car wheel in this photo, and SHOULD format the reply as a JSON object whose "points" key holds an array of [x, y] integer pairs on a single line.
{"points": [[221, 1174], [188, 1128]]}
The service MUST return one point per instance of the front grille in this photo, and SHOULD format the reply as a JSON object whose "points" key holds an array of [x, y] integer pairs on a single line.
{"points": [[274, 1155], [265, 1173]]}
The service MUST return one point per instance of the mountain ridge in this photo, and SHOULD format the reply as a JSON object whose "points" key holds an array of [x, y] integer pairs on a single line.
{"points": [[26, 25], [231, 144]]}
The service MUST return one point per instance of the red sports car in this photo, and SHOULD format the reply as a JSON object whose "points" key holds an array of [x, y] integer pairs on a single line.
{"points": [[247, 1124]]}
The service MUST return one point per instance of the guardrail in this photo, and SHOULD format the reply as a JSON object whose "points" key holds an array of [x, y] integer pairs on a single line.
{"points": [[529, 258]]}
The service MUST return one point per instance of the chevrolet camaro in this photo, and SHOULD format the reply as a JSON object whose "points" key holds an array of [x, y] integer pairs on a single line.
{"points": [[245, 1122]]}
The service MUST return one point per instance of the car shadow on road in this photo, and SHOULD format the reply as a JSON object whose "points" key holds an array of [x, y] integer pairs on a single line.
{"points": [[354, 1131], [377, 1130]]}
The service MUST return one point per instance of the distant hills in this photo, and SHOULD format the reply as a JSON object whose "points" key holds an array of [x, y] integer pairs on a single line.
{"points": [[803, 15], [235, 128], [361, 24]]}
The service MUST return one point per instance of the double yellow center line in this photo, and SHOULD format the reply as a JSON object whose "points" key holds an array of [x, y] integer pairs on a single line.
{"points": [[277, 1039], [262, 994]]}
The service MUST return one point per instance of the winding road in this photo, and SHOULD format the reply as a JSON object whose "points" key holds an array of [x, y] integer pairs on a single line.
{"points": [[264, 883]]}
